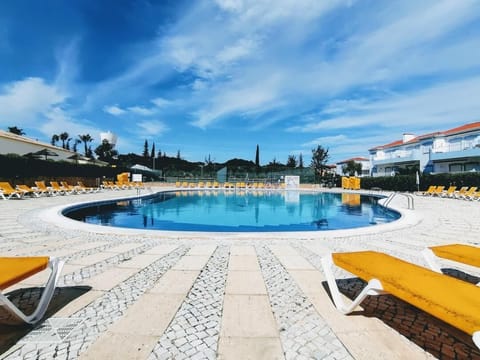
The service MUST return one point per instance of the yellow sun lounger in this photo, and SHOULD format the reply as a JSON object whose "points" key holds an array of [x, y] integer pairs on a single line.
{"points": [[16, 269], [464, 254], [7, 191], [454, 301], [428, 192]]}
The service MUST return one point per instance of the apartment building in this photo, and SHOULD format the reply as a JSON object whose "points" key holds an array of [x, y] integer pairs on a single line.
{"points": [[449, 151], [358, 160]]}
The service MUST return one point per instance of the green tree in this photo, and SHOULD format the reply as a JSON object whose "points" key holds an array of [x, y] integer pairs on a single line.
{"points": [[15, 130], [300, 161], [55, 139], [257, 159], [319, 160], [105, 151], [152, 153], [291, 161], [145, 149], [178, 155], [64, 137], [75, 143], [351, 167], [86, 139], [89, 152]]}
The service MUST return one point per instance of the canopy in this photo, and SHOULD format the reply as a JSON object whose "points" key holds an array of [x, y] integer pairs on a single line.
{"points": [[141, 167], [44, 152]]}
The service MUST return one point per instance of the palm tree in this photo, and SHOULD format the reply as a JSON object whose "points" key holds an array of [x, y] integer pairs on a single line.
{"points": [[54, 140], [75, 143], [64, 137], [86, 138], [16, 130]]}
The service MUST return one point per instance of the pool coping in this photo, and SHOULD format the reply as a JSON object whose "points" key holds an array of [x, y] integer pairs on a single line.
{"points": [[54, 217]]}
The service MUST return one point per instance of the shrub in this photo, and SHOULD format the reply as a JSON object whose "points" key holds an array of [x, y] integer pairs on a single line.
{"points": [[408, 183]]}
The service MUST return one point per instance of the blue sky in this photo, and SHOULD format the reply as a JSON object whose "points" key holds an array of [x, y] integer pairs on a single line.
{"points": [[218, 77]]}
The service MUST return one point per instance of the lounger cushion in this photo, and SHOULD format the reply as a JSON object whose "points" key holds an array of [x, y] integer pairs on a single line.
{"points": [[464, 254], [454, 301], [15, 269]]}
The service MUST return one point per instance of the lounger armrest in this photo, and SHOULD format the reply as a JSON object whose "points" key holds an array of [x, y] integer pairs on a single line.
{"points": [[374, 287], [56, 266], [430, 258], [476, 338]]}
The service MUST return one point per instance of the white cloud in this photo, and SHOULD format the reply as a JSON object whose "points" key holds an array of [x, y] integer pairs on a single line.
{"points": [[140, 110], [114, 110], [22, 102], [439, 105], [57, 120], [161, 102], [242, 48], [264, 62], [247, 99], [149, 128], [67, 62], [327, 140]]}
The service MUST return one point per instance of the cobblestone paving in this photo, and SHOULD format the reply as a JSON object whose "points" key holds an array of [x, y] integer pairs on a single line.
{"points": [[194, 332], [97, 268], [304, 334], [101, 313]]}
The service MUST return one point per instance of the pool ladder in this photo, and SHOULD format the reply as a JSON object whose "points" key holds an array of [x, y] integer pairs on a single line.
{"points": [[411, 201]]}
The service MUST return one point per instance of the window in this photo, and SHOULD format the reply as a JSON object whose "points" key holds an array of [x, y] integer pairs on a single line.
{"points": [[472, 166], [455, 168]]}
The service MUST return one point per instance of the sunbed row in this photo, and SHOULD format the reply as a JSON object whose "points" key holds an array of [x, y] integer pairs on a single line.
{"points": [[7, 191], [465, 192], [121, 185], [226, 185]]}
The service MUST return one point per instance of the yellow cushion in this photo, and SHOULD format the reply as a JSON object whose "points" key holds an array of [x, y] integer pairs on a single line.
{"points": [[15, 269], [454, 301], [465, 254]]}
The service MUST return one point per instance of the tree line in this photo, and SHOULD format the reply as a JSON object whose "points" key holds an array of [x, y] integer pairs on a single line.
{"points": [[156, 159]]}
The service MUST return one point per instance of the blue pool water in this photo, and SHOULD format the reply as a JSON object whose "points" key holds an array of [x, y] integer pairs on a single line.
{"points": [[229, 211]]}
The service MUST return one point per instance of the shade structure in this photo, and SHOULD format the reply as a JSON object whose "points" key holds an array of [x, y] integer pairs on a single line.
{"points": [[77, 157], [141, 167], [44, 152]]}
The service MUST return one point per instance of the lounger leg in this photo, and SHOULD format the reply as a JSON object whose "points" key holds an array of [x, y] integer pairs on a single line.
{"points": [[430, 258], [476, 338], [56, 266], [374, 287]]}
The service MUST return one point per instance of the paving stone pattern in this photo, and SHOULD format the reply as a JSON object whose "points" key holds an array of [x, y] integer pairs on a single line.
{"points": [[97, 268], [101, 313], [304, 334], [194, 332]]}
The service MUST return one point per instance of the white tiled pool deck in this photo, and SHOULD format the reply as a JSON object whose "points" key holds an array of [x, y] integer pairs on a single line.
{"points": [[134, 294]]}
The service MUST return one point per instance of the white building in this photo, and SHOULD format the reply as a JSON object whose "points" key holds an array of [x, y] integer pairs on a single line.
{"points": [[358, 160], [449, 151], [15, 144]]}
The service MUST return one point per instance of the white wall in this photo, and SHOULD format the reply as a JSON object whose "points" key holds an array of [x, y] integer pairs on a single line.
{"points": [[14, 146]]}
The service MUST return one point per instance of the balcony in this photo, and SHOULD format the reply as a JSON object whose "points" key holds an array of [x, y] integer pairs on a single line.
{"points": [[396, 157], [456, 151]]}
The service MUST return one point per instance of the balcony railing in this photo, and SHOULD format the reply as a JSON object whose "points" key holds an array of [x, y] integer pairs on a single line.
{"points": [[460, 146]]}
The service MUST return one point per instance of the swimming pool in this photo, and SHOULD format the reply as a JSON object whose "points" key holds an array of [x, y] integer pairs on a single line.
{"points": [[245, 211]]}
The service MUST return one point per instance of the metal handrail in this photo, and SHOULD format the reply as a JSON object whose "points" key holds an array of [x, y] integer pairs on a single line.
{"points": [[410, 198]]}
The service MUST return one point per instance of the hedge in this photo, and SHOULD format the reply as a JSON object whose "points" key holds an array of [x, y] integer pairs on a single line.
{"points": [[408, 182], [23, 170]]}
